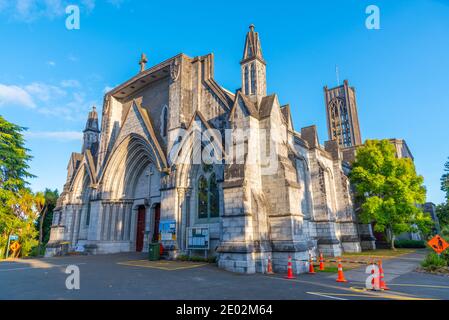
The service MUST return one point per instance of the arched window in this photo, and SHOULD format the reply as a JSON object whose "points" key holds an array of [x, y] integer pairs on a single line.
{"points": [[202, 198], [213, 197], [164, 121], [208, 197], [253, 79], [301, 170], [246, 80], [340, 121]]}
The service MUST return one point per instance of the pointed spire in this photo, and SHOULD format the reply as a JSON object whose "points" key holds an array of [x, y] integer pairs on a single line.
{"points": [[253, 49], [92, 121]]}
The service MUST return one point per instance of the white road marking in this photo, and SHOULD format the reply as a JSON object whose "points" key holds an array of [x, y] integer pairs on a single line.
{"points": [[325, 296]]}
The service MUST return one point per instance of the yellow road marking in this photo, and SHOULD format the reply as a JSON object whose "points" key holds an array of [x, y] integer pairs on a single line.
{"points": [[382, 294], [415, 285]]}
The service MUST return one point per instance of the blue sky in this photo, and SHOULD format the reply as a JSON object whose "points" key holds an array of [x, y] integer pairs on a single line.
{"points": [[50, 76]]}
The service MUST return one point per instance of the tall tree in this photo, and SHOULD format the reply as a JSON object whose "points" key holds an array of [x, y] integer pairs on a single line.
{"points": [[46, 215], [445, 180], [17, 203], [388, 190]]}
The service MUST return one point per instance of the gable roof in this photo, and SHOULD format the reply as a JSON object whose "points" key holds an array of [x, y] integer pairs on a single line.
{"points": [[266, 105], [148, 124]]}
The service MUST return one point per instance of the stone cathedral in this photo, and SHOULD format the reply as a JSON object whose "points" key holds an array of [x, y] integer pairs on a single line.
{"points": [[126, 182]]}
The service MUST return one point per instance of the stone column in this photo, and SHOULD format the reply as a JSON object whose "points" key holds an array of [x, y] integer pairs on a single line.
{"points": [[133, 226], [107, 221], [127, 221], [180, 222], [113, 228]]}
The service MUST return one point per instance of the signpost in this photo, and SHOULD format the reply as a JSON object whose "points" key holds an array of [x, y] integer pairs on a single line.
{"points": [[167, 230], [12, 237], [438, 244], [198, 239]]}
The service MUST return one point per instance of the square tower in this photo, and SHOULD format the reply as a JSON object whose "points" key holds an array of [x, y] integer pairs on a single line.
{"points": [[342, 118]]}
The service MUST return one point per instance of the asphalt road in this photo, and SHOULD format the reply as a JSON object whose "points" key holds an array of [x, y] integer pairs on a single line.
{"points": [[126, 276]]}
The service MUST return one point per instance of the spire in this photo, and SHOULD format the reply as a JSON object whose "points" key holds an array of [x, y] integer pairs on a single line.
{"points": [[92, 121], [253, 67], [91, 133], [253, 49]]}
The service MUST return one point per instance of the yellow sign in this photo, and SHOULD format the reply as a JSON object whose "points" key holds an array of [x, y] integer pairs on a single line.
{"points": [[438, 244], [15, 246]]}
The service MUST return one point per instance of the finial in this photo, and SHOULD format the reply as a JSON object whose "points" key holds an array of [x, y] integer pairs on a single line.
{"points": [[143, 61], [251, 27]]}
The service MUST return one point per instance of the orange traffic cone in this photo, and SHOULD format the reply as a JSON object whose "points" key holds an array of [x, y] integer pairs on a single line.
{"points": [[269, 266], [290, 269], [311, 268], [321, 262], [341, 276], [382, 283]]}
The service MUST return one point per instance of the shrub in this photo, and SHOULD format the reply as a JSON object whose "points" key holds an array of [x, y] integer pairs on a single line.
{"points": [[196, 259], [411, 244], [433, 262]]}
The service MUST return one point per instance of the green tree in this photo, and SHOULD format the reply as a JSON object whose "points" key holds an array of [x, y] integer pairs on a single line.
{"points": [[443, 214], [388, 190], [46, 215], [18, 206], [445, 180]]}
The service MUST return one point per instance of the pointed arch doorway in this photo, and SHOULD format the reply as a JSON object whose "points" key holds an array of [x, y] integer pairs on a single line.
{"points": [[141, 212]]}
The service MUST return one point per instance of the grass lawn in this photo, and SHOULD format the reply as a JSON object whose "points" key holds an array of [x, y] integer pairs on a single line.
{"points": [[355, 260]]}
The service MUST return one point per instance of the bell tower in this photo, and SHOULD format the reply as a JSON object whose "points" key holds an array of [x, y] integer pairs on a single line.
{"points": [[253, 66], [91, 133], [342, 118]]}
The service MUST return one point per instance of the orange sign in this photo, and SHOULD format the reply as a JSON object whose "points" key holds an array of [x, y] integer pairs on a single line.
{"points": [[15, 246], [438, 244]]}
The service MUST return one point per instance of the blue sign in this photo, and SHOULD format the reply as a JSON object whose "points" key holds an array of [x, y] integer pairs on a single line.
{"points": [[13, 238]]}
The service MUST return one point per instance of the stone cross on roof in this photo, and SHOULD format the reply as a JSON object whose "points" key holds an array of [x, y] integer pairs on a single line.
{"points": [[143, 61]]}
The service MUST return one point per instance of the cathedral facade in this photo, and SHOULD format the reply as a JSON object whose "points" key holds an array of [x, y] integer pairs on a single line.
{"points": [[265, 191]]}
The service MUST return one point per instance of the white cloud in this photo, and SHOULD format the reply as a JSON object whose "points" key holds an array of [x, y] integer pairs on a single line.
{"points": [[70, 83], [45, 92], [15, 95], [116, 3], [63, 101], [31, 10], [55, 135], [107, 89], [51, 63]]}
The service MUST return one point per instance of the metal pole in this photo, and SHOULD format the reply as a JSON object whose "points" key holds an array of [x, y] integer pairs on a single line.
{"points": [[7, 248]]}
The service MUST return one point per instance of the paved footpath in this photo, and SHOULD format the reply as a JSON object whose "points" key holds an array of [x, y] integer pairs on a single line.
{"points": [[393, 268]]}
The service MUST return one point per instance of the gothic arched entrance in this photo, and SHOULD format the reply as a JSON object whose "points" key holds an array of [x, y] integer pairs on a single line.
{"points": [[141, 211]]}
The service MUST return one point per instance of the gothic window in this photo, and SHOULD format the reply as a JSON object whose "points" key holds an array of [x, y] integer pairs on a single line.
{"points": [[301, 169], [164, 121], [253, 79], [202, 198], [213, 197], [246, 80], [340, 122], [208, 197]]}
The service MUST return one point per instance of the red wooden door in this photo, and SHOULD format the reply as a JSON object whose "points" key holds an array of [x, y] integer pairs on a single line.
{"points": [[140, 229], [157, 218]]}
